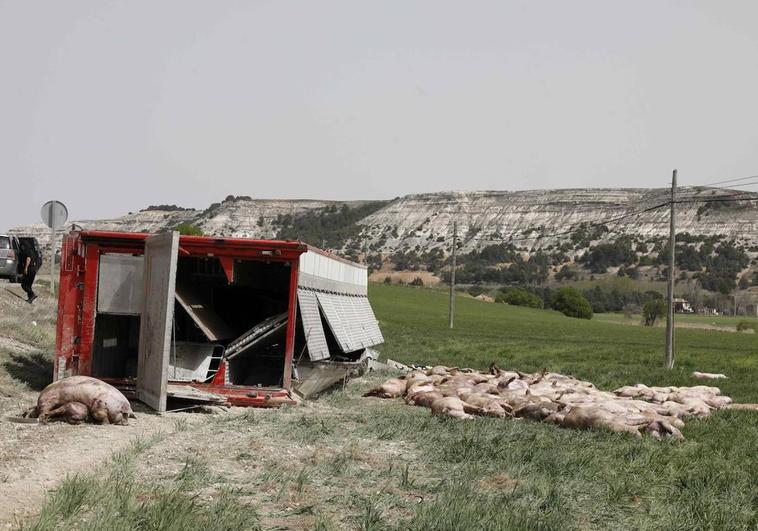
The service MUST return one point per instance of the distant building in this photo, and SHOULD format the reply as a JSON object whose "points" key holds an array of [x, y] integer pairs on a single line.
{"points": [[682, 306]]}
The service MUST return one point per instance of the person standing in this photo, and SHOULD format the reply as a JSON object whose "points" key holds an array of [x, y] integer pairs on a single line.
{"points": [[29, 271]]}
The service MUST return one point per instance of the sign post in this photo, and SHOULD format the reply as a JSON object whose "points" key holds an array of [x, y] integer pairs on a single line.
{"points": [[54, 214]]}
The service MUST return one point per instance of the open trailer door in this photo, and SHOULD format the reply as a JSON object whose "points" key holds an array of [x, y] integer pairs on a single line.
{"points": [[159, 277]]}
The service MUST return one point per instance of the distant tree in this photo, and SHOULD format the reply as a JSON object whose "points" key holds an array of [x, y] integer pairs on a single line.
{"points": [[652, 310], [566, 273], [188, 229], [475, 291], [572, 303], [374, 262], [520, 297], [606, 255]]}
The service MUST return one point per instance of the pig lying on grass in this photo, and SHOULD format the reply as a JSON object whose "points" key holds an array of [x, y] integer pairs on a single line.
{"points": [[557, 399], [78, 398]]}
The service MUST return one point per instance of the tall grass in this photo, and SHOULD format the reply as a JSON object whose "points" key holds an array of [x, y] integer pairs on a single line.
{"points": [[116, 499]]}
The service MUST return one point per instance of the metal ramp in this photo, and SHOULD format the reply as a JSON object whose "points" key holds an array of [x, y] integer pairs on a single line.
{"points": [[256, 334]]}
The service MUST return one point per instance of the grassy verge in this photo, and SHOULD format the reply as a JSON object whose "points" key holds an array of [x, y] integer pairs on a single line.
{"points": [[116, 497], [27, 341]]}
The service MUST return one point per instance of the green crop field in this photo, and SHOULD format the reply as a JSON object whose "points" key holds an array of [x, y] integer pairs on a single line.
{"points": [[570, 479]]}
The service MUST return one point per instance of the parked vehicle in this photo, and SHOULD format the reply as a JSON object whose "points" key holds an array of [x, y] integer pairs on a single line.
{"points": [[10, 247], [9, 250]]}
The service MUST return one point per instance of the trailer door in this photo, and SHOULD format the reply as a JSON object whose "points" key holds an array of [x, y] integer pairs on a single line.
{"points": [[159, 280]]}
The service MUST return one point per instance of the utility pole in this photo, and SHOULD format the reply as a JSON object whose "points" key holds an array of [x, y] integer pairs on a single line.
{"points": [[669, 359], [451, 304]]}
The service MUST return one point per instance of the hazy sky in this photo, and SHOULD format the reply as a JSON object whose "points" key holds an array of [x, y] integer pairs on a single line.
{"points": [[112, 106]]}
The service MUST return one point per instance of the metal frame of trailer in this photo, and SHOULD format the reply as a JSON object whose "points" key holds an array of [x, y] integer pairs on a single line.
{"points": [[78, 308], [320, 327]]}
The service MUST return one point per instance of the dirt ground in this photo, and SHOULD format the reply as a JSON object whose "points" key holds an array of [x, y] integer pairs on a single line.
{"points": [[34, 458]]}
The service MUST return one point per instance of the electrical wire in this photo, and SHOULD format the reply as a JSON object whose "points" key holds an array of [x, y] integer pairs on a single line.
{"points": [[585, 225], [739, 179], [718, 199], [693, 197], [696, 193]]}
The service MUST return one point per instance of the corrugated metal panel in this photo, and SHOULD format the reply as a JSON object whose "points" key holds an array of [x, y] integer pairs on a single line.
{"points": [[330, 306], [314, 330], [368, 320], [351, 320]]}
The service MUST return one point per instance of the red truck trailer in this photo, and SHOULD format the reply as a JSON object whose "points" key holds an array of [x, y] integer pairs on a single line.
{"points": [[192, 318]]}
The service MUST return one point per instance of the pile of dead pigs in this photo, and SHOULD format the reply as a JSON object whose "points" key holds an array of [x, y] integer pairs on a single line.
{"points": [[555, 398]]}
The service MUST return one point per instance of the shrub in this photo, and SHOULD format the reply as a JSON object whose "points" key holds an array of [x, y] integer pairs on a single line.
{"points": [[520, 297], [388, 279], [417, 282], [475, 291], [566, 273], [188, 229], [652, 310], [744, 326], [332, 227], [572, 303], [606, 255]]}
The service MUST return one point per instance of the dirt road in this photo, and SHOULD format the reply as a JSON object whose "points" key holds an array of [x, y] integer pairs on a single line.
{"points": [[34, 458]]}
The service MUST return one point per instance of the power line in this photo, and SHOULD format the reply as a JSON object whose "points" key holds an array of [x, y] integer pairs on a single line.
{"points": [[586, 224], [728, 181], [734, 194], [735, 197], [720, 199]]}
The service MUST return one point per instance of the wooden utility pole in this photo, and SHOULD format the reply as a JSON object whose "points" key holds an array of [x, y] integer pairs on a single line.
{"points": [[669, 359], [451, 304]]}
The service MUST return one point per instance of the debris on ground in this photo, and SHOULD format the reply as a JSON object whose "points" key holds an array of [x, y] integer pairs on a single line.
{"points": [[708, 375], [77, 399], [555, 398]]}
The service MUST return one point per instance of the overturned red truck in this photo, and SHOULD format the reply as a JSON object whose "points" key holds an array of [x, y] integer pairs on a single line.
{"points": [[170, 318]]}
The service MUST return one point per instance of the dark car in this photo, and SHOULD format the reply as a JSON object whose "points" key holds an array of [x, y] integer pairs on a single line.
{"points": [[10, 247]]}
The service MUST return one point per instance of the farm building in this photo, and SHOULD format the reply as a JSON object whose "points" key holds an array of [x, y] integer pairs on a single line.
{"points": [[221, 320], [682, 306]]}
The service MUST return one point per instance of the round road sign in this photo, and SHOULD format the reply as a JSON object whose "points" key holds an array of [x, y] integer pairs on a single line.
{"points": [[54, 214]]}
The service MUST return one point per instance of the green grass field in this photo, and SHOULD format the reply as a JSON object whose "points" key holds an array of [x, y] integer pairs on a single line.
{"points": [[573, 479], [721, 322], [349, 462]]}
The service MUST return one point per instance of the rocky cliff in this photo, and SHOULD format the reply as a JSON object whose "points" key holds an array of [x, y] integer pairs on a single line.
{"points": [[537, 219], [534, 219], [238, 217]]}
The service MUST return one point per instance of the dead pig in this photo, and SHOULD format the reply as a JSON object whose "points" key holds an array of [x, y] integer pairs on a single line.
{"points": [[392, 388], [424, 399], [77, 397], [454, 407]]}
